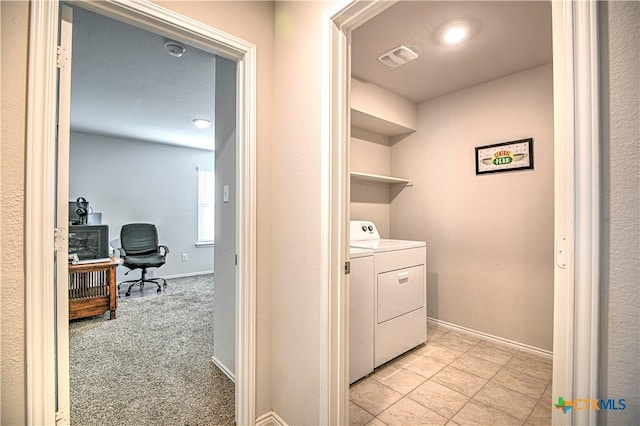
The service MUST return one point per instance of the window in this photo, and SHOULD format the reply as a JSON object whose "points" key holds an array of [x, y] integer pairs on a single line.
{"points": [[206, 203]]}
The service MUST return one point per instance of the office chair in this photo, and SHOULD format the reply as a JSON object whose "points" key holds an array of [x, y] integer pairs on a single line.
{"points": [[140, 250]]}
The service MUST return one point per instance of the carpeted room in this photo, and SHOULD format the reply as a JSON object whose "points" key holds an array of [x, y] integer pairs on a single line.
{"points": [[151, 365]]}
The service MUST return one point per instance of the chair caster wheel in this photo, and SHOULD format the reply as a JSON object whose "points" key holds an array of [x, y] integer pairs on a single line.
{"points": [[128, 293], [159, 290]]}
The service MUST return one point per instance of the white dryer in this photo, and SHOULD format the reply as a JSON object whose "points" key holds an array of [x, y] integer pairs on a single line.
{"points": [[400, 291]]}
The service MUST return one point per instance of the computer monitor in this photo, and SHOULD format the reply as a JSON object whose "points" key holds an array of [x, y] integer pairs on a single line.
{"points": [[89, 241]]}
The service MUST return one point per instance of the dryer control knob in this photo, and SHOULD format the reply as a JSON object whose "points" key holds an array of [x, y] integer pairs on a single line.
{"points": [[364, 228], [370, 228]]}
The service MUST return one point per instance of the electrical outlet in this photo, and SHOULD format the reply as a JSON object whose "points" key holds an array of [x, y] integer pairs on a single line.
{"points": [[185, 257]]}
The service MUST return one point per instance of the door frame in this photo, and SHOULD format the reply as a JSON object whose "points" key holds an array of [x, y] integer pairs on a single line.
{"points": [[41, 352], [576, 201]]}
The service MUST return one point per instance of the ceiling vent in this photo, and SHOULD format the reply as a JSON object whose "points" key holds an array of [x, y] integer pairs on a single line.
{"points": [[398, 56]]}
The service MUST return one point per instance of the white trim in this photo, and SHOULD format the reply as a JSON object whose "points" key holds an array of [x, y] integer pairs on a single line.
{"points": [[577, 206], [270, 419], [39, 215], [223, 368], [338, 21], [40, 328], [492, 338]]}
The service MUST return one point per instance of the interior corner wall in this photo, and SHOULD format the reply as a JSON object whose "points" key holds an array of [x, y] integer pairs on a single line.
{"points": [[131, 181], [224, 302], [620, 296], [489, 237], [296, 212]]}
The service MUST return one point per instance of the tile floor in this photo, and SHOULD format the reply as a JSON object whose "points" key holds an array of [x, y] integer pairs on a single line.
{"points": [[455, 379]]}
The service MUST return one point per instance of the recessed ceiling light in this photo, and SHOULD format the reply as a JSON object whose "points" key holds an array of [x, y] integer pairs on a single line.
{"points": [[455, 33], [201, 123]]}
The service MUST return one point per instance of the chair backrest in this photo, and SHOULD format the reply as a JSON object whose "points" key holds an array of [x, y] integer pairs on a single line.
{"points": [[139, 238]]}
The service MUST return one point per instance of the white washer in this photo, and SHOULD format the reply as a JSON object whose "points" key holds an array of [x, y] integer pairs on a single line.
{"points": [[361, 315], [400, 291]]}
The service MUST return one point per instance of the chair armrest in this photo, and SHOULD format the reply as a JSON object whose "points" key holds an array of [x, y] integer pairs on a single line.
{"points": [[121, 252], [165, 248]]}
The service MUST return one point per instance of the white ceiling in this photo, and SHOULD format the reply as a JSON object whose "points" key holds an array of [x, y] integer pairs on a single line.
{"points": [[125, 84], [507, 37]]}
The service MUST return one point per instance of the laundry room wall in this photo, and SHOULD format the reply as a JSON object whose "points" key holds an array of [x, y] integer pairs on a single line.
{"points": [[371, 153], [489, 237]]}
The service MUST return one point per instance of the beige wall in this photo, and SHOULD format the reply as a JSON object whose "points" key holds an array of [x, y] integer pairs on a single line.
{"points": [[489, 237], [14, 79], [295, 248], [369, 200], [620, 298]]}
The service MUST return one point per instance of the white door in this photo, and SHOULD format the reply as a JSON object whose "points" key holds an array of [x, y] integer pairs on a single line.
{"points": [[62, 218]]}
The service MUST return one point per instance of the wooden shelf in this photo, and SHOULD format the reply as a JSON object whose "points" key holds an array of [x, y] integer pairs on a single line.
{"points": [[368, 177]]}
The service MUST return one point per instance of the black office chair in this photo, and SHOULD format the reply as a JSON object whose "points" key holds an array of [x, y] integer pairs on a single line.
{"points": [[140, 250]]}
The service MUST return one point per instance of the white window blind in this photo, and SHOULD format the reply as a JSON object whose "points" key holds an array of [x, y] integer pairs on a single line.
{"points": [[206, 204]]}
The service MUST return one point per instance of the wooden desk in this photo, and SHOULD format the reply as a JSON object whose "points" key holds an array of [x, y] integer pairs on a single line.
{"points": [[92, 289]]}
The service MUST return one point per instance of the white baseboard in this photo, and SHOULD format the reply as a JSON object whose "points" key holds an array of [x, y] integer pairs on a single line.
{"points": [[168, 277], [492, 338], [270, 419], [186, 274], [224, 369]]}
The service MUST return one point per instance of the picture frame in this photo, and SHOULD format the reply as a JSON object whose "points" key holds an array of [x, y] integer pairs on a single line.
{"points": [[505, 156]]}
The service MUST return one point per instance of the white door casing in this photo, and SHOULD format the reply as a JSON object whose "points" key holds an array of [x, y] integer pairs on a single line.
{"points": [[42, 325], [63, 400]]}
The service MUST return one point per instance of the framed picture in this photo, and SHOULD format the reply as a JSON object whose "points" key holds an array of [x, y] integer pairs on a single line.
{"points": [[505, 157]]}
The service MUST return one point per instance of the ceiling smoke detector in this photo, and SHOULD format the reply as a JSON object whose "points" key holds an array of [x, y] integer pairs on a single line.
{"points": [[398, 56], [174, 48]]}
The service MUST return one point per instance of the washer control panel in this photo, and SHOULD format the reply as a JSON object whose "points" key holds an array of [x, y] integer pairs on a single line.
{"points": [[363, 230]]}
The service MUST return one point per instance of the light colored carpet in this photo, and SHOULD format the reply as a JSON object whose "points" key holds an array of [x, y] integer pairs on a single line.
{"points": [[152, 365]]}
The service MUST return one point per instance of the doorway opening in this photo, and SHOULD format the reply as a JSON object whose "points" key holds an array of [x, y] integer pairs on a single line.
{"points": [[137, 156], [575, 213], [48, 396]]}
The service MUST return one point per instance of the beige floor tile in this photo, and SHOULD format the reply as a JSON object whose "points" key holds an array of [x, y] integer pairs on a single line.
{"points": [[457, 341], [438, 398], [425, 366], [506, 400], [376, 422], [477, 366], [373, 396], [442, 352], [521, 382], [451, 423], [463, 336], [434, 332], [408, 412], [385, 371], [540, 416], [402, 380], [460, 381], [358, 416], [533, 366], [477, 413], [498, 354]]}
